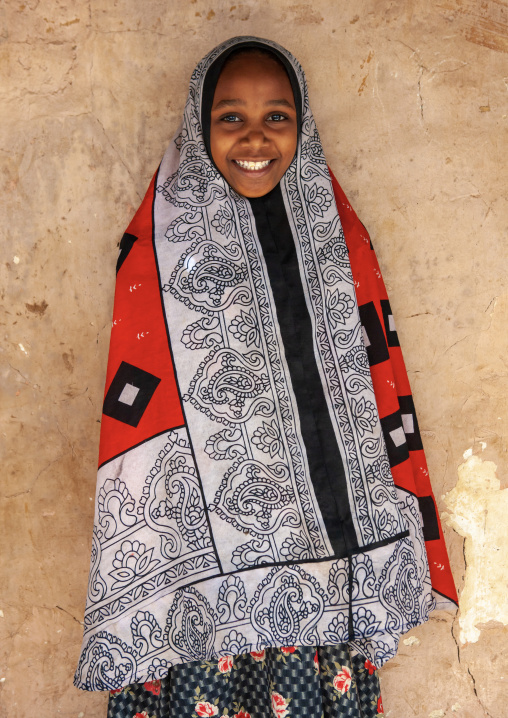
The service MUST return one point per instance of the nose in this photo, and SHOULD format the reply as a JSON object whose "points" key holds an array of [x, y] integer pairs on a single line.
{"points": [[254, 136]]}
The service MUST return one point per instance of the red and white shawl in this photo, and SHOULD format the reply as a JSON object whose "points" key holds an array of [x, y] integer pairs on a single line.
{"points": [[217, 529]]}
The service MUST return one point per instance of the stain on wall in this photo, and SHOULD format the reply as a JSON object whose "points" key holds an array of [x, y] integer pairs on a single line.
{"points": [[484, 23]]}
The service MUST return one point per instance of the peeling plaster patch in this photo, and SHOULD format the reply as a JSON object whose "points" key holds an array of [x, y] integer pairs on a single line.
{"points": [[411, 641], [456, 707], [437, 714], [15, 260], [469, 452], [23, 349], [478, 509]]}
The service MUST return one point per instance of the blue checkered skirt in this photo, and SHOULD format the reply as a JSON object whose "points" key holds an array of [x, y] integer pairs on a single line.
{"points": [[292, 682]]}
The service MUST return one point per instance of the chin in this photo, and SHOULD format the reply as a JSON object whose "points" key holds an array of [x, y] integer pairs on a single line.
{"points": [[253, 192], [256, 193]]}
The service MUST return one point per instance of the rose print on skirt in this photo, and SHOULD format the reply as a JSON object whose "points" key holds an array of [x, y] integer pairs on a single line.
{"points": [[203, 709], [225, 664], [280, 682], [288, 649], [342, 681], [279, 705], [258, 655], [153, 686]]}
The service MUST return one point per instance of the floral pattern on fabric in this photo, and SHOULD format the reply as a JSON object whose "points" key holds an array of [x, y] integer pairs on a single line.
{"points": [[370, 667], [153, 686], [288, 649], [279, 705], [225, 664], [203, 708], [342, 681], [288, 682], [258, 655]]}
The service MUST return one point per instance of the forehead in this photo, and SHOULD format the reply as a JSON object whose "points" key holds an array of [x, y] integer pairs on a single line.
{"points": [[252, 74]]}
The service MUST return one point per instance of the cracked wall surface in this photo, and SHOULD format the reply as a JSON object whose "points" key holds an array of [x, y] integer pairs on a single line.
{"points": [[411, 99]]}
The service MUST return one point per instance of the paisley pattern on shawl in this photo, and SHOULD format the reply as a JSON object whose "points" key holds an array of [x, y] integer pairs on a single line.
{"points": [[239, 377]]}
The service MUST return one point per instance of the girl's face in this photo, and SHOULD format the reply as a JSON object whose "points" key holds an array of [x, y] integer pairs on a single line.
{"points": [[253, 131]]}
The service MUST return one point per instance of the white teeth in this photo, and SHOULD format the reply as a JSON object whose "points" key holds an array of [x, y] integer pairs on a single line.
{"points": [[247, 165]]}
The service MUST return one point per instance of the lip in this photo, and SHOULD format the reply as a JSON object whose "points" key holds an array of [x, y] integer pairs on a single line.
{"points": [[254, 173]]}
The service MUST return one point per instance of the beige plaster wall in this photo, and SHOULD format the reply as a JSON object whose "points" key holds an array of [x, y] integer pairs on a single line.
{"points": [[411, 98]]}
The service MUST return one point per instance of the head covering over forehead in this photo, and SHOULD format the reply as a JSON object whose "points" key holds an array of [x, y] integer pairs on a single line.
{"points": [[194, 135], [245, 496], [214, 70]]}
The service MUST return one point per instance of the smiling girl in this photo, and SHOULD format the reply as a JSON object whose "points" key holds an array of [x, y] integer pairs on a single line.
{"points": [[259, 546], [253, 129]]}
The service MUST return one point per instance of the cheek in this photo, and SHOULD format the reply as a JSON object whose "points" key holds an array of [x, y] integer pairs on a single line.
{"points": [[294, 144], [218, 149], [289, 149]]}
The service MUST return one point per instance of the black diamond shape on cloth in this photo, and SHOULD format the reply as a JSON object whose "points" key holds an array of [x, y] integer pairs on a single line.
{"points": [[373, 336], [129, 394]]}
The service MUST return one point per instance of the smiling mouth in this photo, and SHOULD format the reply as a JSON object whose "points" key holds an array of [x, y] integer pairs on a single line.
{"points": [[252, 166]]}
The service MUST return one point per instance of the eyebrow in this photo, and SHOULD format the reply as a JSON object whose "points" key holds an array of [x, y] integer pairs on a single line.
{"points": [[236, 103]]}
